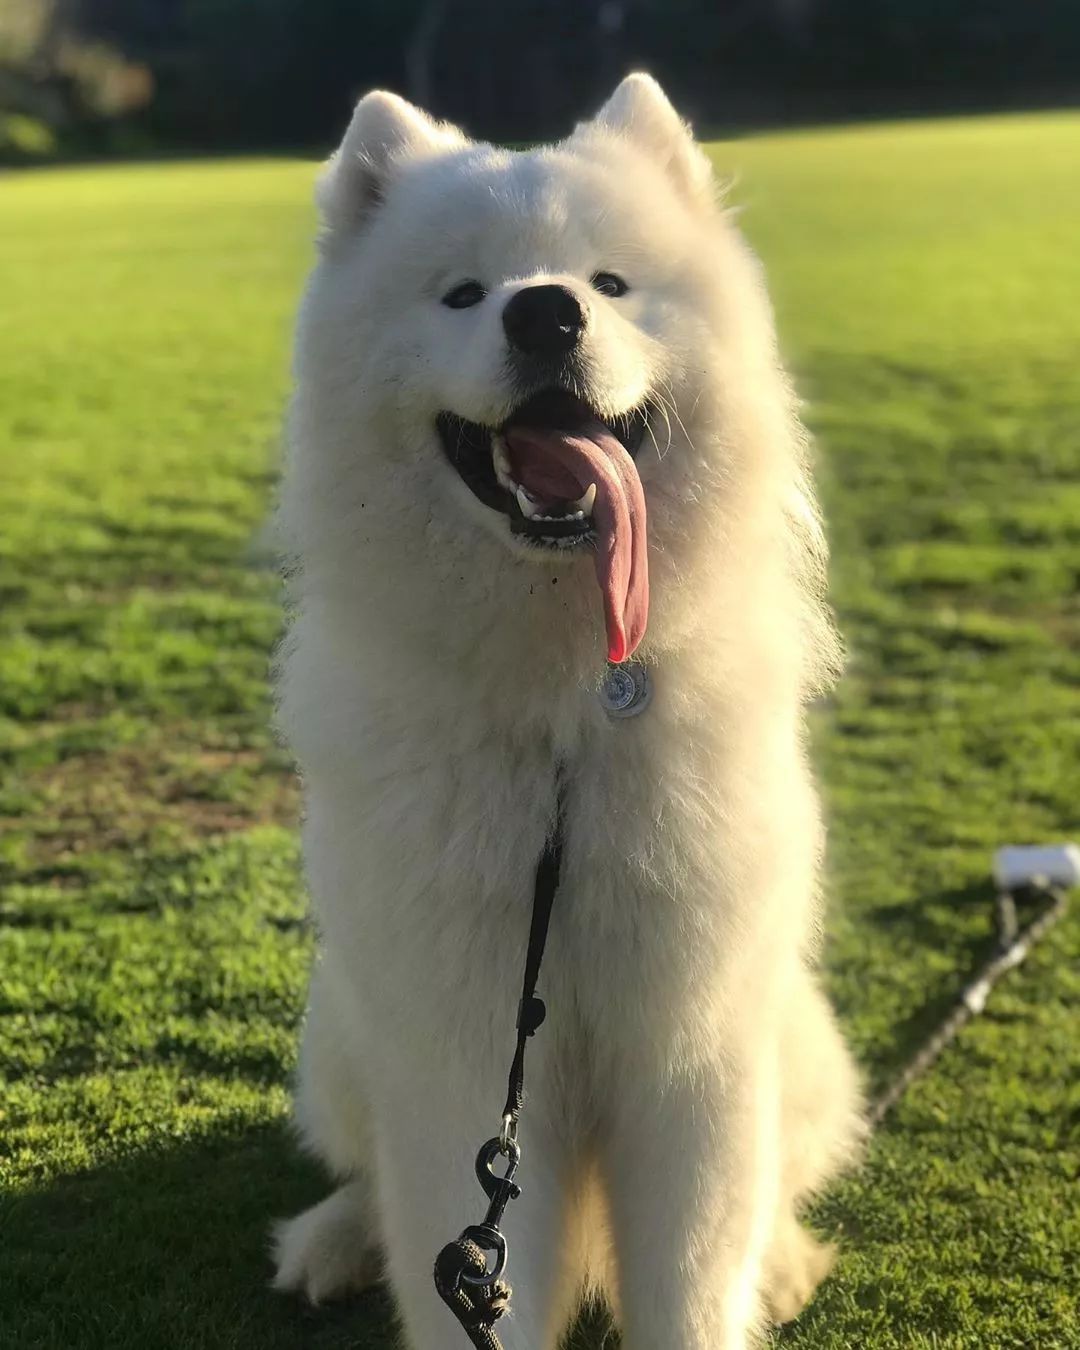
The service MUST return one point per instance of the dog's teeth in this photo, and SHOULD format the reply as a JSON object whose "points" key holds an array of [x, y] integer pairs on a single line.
{"points": [[529, 508], [501, 461], [586, 501]]}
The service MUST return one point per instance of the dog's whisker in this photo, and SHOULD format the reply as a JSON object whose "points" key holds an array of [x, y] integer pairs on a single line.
{"points": [[661, 405], [671, 405], [652, 436]]}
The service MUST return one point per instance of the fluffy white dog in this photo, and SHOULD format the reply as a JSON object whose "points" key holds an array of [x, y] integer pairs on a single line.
{"points": [[540, 426]]}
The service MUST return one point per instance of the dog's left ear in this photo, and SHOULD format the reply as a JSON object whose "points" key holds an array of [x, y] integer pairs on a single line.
{"points": [[640, 112], [385, 133]]}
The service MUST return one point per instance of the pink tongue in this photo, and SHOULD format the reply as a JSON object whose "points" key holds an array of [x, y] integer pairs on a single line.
{"points": [[560, 465]]}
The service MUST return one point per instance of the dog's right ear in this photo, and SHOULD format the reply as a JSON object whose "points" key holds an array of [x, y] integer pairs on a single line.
{"points": [[385, 132]]}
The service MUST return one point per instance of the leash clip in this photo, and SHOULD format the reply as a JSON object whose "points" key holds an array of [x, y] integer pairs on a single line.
{"points": [[500, 1190]]}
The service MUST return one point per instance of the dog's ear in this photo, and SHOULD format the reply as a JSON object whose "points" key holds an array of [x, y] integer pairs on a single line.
{"points": [[639, 111], [385, 132]]}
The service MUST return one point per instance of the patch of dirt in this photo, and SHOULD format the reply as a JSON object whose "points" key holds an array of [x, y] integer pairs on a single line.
{"points": [[162, 789]]}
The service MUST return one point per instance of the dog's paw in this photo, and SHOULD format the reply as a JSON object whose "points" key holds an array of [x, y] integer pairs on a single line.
{"points": [[794, 1273], [326, 1252]]}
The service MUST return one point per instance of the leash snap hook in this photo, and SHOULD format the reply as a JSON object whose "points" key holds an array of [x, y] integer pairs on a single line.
{"points": [[500, 1190]]}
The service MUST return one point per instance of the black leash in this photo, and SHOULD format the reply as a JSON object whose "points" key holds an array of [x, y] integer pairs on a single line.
{"points": [[475, 1292]]}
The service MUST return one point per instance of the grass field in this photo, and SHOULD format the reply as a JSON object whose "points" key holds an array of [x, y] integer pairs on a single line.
{"points": [[152, 943]]}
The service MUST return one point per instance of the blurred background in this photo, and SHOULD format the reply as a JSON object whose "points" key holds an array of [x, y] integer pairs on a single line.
{"points": [[909, 171], [97, 77]]}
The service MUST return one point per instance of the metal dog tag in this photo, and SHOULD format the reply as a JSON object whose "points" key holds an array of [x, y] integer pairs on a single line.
{"points": [[626, 691]]}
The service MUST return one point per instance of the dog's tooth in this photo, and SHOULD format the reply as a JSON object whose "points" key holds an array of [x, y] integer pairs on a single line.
{"points": [[528, 506], [586, 501], [501, 460]]}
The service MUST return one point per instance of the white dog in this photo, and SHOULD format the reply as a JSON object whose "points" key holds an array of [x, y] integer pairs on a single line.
{"points": [[540, 426]]}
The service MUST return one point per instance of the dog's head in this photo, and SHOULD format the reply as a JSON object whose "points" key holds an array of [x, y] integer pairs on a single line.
{"points": [[526, 343]]}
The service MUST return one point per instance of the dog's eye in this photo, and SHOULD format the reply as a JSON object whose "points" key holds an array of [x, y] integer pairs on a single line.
{"points": [[464, 295], [607, 283]]}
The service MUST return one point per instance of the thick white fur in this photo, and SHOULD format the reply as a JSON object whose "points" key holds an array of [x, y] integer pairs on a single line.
{"points": [[690, 1079]]}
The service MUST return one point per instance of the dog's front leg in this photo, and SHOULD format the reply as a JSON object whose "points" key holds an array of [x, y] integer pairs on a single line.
{"points": [[429, 1193], [691, 1167]]}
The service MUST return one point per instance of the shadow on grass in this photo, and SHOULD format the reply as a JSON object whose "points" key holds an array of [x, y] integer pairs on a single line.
{"points": [[170, 1251], [935, 919]]}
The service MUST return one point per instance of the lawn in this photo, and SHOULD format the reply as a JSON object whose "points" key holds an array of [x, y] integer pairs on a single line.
{"points": [[152, 941]]}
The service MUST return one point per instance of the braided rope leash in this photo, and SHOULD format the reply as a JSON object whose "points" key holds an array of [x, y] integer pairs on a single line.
{"points": [[476, 1306], [1014, 943], [475, 1292]]}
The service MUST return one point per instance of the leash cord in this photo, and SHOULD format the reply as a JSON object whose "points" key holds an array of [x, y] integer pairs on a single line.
{"points": [[474, 1292], [531, 1009], [1013, 946]]}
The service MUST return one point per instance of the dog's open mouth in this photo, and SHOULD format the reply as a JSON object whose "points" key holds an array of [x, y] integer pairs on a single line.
{"points": [[565, 477], [545, 509]]}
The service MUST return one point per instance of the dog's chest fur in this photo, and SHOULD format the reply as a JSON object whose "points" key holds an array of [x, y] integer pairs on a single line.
{"points": [[425, 826]]}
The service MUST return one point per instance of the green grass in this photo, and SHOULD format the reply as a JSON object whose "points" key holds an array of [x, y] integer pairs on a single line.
{"points": [[152, 943]]}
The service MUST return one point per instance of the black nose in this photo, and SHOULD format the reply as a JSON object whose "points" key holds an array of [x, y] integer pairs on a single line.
{"points": [[543, 320]]}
